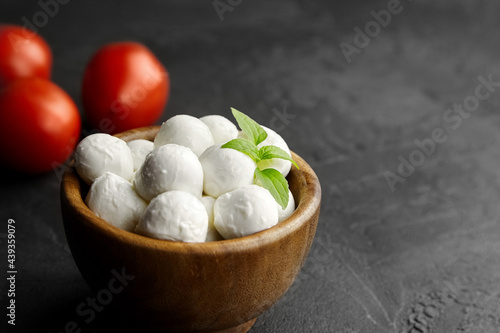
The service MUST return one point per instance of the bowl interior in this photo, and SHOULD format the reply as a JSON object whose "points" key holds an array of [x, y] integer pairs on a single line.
{"points": [[303, 183]]}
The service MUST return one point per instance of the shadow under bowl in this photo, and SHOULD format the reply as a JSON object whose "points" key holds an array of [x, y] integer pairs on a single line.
{"points": [[191, 287]]}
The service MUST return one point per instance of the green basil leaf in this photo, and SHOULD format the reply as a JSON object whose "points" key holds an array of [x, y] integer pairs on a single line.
{"points": [[275, 183], [268, 152], [254, 131], [244, 146]]}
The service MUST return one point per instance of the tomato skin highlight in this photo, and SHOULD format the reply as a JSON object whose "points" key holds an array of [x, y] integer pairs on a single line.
{"points": [[39, 125], [124, 87], [23, 54]]}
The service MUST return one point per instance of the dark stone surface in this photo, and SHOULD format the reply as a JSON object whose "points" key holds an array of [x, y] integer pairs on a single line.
{"points": [[422, 258]]}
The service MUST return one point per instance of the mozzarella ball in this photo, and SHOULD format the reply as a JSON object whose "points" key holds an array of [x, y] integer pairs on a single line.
{"points": [[169, 167], [187, 131], [176, 216], [100, 153], [140, 149], [225, 170], [283, 214], [212, 233], [113, 199], [245, 211], [222, 129], [273, 139]]}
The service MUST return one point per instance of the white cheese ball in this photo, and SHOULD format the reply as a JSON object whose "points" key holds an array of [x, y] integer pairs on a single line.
{"points": [[283, 214], [212, 233], [273, 139], [113, 199], [169, 167], [176, 216], [222, 129], [100, 153], [245, 211], [187, 131], [140, 148], [225, 170]]}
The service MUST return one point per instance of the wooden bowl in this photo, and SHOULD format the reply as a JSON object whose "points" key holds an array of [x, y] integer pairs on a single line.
{"points": [[190, 287]]}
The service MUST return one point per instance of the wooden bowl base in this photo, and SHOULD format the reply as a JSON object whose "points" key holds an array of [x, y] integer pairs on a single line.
{"points": [[243, 328]]}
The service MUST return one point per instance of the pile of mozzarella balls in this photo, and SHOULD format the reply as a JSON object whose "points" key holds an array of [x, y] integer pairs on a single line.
{"points": [[183, 186]]}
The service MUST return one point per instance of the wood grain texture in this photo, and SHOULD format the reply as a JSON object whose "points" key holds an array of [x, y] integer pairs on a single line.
{"points": [[193, 287]]}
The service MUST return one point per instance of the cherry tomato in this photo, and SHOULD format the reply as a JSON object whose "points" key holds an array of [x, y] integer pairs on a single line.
{"points": [[39, 125], [23, 54], [124, 86]]}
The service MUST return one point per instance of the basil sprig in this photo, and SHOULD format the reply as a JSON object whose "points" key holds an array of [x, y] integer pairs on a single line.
{"points": [[271, 179]]}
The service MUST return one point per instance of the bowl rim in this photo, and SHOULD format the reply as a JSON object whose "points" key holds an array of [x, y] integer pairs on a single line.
{"points": [[71, 187]]}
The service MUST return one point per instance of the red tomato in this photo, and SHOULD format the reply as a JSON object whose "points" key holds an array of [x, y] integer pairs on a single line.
{"points": [[23, 54], [125, 86], [39, 125]]}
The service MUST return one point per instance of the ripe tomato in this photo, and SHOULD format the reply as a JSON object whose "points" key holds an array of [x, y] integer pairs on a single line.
{"points": [[124, 86], [39, 125], [23, 54]]}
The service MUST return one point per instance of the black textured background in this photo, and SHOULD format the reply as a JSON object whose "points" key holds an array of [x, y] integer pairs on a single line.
{"points": [[422, 258]]}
